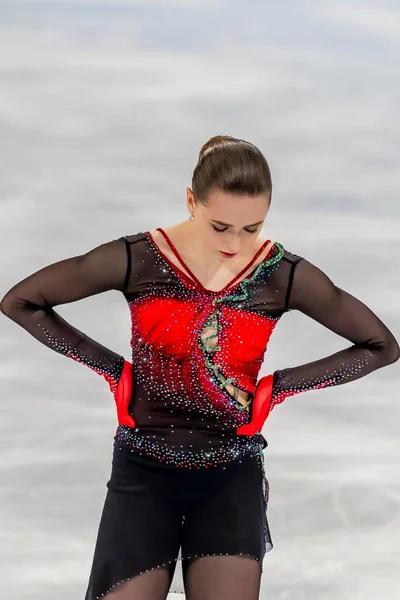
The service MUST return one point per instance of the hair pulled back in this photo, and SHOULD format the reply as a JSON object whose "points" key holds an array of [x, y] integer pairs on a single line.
{"points": [[230, 165]]}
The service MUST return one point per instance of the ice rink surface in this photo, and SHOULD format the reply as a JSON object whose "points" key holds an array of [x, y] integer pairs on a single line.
{"points": [[104, 107]]}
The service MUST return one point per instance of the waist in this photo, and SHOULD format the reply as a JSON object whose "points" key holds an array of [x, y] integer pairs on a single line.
{"points": [[188, 448]]}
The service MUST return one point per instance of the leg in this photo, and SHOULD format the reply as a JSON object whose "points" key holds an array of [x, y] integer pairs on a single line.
{"points": [[153, 585], [139, 533], [225, 533], [222, 578]]}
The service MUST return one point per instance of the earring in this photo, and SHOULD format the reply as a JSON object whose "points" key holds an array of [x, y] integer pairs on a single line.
{"points": [[191, 218]]}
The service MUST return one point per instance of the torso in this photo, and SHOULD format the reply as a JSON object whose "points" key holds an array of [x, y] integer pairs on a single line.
{"points": [[222, 277]]}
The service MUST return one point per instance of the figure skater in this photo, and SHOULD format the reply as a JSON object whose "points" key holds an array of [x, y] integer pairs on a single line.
{"points": [[204, 297]]}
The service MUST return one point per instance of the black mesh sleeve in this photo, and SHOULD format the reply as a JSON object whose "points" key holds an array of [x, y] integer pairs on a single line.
{"points": [[30, 303], [373, 345]]}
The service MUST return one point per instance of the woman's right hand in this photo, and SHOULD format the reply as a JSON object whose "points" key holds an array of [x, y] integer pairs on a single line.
{"points": [[122, 396], [261, 407]]}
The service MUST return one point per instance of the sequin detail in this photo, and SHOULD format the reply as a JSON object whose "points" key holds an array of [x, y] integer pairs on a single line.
{"points": [[197, 353], [183, 357], [265, 268], [265, 485], [283, 388], [170, 562], [212, 322], [214, 368], [111, 370], [230, 450]]}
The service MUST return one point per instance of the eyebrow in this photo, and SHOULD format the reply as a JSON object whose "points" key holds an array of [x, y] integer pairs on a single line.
{"points": [[227, 224]]}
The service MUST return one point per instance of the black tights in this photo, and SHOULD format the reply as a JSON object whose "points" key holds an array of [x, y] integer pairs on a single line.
{"points": [[205, 578]]}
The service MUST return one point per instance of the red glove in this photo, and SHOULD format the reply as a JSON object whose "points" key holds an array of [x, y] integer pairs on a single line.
{"points": [[260, 407], [122, 395]]}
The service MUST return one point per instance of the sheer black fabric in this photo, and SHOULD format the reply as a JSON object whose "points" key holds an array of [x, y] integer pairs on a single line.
{"points": [[153, 585], [172, 483], [31, 304], [373, 346], [222, 578], [206, 578], [152, 511], [132, 265]]}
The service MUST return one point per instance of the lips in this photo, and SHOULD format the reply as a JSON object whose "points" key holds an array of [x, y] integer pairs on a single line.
{"points": [[228, 254]]}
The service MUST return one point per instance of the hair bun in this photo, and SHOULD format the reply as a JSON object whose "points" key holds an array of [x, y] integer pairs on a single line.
{"points": [[217, 140], [233, 166]]}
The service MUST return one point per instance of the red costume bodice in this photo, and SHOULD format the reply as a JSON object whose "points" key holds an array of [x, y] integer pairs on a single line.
{"points": [[191, 345]]}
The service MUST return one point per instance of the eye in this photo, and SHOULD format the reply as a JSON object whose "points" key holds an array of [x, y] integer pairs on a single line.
{"points": [[225, 229]]}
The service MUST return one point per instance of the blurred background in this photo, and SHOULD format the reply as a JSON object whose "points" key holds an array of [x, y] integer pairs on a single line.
{"points": [[104, 106]]}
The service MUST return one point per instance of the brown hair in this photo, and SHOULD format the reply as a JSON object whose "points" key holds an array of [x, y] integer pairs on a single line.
{"points": [[231, 165]]}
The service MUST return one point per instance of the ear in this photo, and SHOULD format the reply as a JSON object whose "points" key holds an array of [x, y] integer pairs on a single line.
{"points": [[190, 203]]}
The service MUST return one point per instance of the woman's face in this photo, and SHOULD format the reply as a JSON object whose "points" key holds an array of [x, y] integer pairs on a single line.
{"points": [[228, 223]]}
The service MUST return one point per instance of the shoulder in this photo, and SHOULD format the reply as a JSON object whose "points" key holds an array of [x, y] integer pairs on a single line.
{"points": [[300, 278], [286, 255], [302, 268], [133, 238]]}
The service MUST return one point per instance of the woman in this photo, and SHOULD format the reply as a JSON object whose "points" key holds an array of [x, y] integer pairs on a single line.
{"points": [[205, 296]]}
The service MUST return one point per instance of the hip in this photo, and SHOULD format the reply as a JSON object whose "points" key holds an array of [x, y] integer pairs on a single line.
{"points": [[146, 480], [188, 449]]}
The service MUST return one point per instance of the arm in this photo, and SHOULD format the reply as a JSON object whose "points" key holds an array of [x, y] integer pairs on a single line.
{"points": [[30, 304], [373, 345]]}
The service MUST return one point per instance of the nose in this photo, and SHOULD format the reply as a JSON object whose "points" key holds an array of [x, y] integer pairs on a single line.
{"points": [[234, 244]]}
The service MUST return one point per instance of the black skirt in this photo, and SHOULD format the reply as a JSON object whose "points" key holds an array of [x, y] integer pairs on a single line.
{"points": [[154, 512]]}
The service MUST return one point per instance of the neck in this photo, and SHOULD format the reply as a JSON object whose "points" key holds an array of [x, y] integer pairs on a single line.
{"points": [[195, 249]]}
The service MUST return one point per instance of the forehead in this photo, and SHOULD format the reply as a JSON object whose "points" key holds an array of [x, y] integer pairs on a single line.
{"points": [[231, 207]]}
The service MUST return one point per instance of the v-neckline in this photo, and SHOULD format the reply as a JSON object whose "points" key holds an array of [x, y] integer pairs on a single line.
{"points": [[193, 277]]}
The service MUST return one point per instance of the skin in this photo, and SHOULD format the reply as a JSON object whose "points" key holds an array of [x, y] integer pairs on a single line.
{"points": [[199, 245]]}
